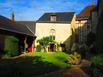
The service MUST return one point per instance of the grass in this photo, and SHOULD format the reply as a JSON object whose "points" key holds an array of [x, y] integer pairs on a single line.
{"points": [[57, 58], [32, 64]]}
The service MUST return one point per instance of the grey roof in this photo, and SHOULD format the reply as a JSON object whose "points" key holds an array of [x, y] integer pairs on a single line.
{"points": [[29, 24], [11, 26], [61, 17]]}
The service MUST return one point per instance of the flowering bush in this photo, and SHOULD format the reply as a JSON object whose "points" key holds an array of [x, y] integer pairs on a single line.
{"points": [[74, 58]]}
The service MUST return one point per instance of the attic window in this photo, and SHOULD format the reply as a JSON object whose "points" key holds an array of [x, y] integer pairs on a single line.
{"points": [[53, 18]]}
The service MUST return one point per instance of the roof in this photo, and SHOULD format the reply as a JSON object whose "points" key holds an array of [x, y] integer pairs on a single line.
{"points": [[85, 13], [11, 26], [29, 24], [61, 17]]}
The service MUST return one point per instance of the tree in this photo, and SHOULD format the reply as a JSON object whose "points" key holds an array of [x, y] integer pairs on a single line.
{"points": [[44, 42]]}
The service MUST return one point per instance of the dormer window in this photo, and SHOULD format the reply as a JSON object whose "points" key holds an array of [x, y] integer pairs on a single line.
{"points": [[53, 18]]}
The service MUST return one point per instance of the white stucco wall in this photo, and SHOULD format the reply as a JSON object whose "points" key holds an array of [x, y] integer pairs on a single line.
{"points": [[63, 30]]}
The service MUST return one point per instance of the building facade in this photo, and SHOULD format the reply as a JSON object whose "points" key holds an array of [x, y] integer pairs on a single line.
{"points": [[65, 27], [83, 23], [59, 24]]}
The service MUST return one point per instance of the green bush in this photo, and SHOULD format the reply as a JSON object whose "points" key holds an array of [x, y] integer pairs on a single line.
{"points": [[98, 60], [11, 46], [97, 66], [38, 48], [44, 42]]}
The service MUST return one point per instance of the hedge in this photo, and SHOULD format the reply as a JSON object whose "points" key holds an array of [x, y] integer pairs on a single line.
{"points": [[11, 46]]}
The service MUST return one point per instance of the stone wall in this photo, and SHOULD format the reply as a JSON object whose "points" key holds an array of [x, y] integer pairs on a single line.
{"points": [[99, 29]]}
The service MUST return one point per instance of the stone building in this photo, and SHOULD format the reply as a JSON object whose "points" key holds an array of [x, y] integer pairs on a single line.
{"points": [[58, 24], [83, 23]]}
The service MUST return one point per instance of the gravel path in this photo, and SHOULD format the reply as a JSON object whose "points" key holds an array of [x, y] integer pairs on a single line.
{"points": [[73, 72]]}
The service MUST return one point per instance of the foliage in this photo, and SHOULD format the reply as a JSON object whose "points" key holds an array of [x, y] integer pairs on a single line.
{"points": [[97, 65], [38, 48], [11, 46], [58, 46], [74, 58], [75, 47], [44, 42], [98, 60]]}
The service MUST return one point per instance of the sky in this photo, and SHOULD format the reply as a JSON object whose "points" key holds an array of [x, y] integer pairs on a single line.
{"points": [[34, 9]]}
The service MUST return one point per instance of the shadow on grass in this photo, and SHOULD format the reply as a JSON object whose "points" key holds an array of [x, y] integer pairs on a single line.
{"points": [[25, 67]]}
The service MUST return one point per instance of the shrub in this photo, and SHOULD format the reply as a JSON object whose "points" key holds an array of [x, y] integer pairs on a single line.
{"points": [[11, 46], [74, 58], [38, 48], [44, 42], [97, 66], [98, 60]]}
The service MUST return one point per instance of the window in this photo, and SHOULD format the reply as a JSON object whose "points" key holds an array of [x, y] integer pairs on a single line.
{"points": [[52, 34], [53, 18]]}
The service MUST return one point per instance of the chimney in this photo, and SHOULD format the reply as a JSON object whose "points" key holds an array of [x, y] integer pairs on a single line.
{"points": [[12, 16]]}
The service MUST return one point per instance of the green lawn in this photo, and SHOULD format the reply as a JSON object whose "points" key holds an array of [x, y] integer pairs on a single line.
{"points": [[31, 64]]}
